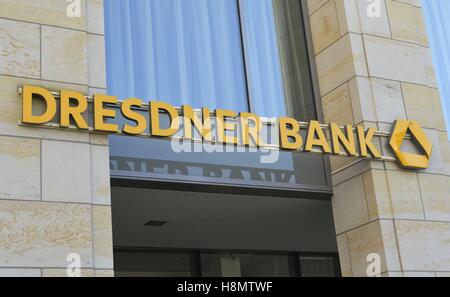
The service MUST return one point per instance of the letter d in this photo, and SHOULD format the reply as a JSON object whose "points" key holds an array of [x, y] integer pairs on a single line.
{"points": [[27, 105]]}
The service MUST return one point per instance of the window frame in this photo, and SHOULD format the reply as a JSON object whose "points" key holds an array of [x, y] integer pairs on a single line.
{"points": [[204, 184], [196, 265]]}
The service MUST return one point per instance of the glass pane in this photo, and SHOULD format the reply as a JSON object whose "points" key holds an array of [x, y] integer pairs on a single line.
{"points": [[277, 59], [177, 51], [148, 264], [317, 266], [245, 265], [190, 51]]}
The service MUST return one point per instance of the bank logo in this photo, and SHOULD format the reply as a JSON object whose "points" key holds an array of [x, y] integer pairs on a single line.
{"points": [[236, 131], [73, 9], [410, 160]]}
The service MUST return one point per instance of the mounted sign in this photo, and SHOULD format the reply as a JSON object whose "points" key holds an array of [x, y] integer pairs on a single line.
{"points": [[220, 126]]}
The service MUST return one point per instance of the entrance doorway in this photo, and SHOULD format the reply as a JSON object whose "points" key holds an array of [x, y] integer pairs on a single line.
{"points": [[184, 233]]}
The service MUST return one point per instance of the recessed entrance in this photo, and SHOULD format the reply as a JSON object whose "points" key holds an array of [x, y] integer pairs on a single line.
{"points": [[183, 233]]}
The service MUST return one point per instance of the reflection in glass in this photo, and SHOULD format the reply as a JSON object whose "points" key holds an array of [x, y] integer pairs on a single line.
{"points": [[239, 55], [245, 265], [317, 266], [177, 51], [151, 264]]}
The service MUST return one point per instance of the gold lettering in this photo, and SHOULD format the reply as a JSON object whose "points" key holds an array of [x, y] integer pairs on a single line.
{"points": [[75, 112], [290, 133], [365, 142], [223, 126], [155, 126], [347, 140], [203, 127], [100, 113], [27, 105], [311, 140], [248, 131], [135, 116]]}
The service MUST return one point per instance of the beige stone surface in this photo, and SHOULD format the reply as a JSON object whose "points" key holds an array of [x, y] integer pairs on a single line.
{"points": [[11, 109], [313, 5], [362, 99], [95, 17], [20, 176], [103, 273], [388, 100], [102, 235], [438, 112], [445, 151], [66, 172], [429, 67], [424, 246], [373, 25], [101, 191], [435, 191], [402, 19], [349, 197], [356, 169], [340, 62], [324, 27], [337, 106], [64, 55], [63, 273], [418, 274], [48, 12], [419, 104], [344, 255], [20, 272], [339, 162], [96, 61], [99, 139], [37, 234], [376, 237], [378, 194], [405, 195], [395, 60], [421, 26], [348, 16], [399, 82], [353, 17], [19, 49]]}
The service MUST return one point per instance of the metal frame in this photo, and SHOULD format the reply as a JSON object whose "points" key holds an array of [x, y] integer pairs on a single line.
{"points": [[195, 256], [314, 77]]}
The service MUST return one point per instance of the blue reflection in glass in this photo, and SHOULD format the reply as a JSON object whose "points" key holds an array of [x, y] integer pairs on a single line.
{"points": [[178, 51], [191, 52], [263, 58]]}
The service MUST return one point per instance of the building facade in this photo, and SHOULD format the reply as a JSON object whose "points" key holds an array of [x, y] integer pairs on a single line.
{"points": [[70, 197]]}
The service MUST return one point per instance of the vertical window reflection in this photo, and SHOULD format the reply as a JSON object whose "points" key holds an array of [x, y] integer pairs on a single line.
{"points": [[232, 54], [178, 51], [277, 62]]}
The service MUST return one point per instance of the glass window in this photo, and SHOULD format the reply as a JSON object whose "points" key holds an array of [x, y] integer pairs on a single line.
{"points": [[245, 265], [317, 266], [148, 264], [178, 51], [167, 263], [244, 55], [191, 52]]}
